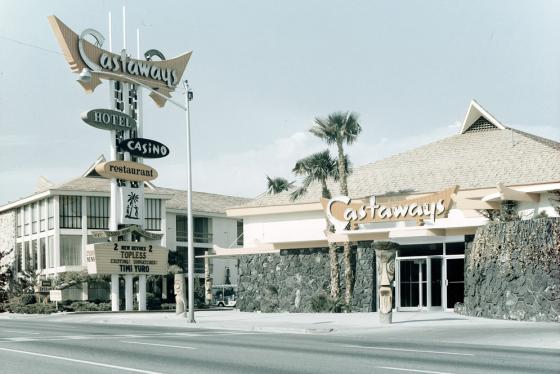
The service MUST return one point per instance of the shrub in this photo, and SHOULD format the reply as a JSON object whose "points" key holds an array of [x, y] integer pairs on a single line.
{"points": [[152, 302], [322, 303], [86, 306], [15, 306], [27, 299]]}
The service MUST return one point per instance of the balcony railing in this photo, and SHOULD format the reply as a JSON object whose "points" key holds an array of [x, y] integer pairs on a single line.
{"points": [[199, 237]]}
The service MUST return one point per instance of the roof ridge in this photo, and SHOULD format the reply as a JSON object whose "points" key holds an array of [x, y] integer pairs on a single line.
{"points": [[544, 141]]}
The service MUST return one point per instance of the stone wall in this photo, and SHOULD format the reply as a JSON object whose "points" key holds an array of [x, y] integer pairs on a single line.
{"points": [[512, 271], [286, 282], [7, 240]]}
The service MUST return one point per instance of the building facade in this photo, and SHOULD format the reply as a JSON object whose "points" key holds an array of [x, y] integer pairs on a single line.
{"points": [[46, 234], [493, 170]]}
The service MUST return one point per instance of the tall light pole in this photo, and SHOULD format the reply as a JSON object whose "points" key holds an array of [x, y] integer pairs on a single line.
{"points": [[85, 76], [190, 251]]}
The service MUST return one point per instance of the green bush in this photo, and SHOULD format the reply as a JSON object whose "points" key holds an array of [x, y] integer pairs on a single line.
{"points": [[17, 307], [86, 306], [322, 303], [27, 299], [152, 301]]}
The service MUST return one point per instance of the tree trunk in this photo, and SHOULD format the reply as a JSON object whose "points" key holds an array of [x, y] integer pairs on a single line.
{"points": [[342, 169], [348, 274], [335, 272]]}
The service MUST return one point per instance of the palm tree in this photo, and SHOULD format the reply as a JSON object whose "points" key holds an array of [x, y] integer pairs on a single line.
{"points": [[319, 167], [277, 185], [340, 128]]}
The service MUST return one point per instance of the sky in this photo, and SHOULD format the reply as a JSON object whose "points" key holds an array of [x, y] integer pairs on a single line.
{"points": [[261, 71]]}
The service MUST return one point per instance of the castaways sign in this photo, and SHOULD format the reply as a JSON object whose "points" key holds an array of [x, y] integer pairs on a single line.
{"points": [[146, 148], [162, 76], [106, 119], [126, 258], [342, 211], [126, 170]]}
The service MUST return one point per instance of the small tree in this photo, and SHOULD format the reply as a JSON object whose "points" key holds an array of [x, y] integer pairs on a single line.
{"points": [[276, 185]]}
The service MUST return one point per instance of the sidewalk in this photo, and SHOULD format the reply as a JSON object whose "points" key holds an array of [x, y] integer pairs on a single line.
{"points": [[447, 325]]}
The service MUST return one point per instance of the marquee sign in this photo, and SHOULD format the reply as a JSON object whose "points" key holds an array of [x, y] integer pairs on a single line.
{"points": [[126, 170], [162, 76], [126, 258], [145, 148], [106, 119], [342, 211]]}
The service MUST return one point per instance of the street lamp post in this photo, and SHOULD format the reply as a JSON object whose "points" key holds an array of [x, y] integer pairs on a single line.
{"points": [[85, 76], [190, 250]]}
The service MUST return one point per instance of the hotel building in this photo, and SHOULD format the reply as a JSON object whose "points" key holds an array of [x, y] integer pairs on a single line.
{"points": [[47, 232]]}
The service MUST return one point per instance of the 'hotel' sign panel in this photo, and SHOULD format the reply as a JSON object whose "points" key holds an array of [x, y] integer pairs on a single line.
{"points": [[126, 258], [107, 119], [342, 210]]}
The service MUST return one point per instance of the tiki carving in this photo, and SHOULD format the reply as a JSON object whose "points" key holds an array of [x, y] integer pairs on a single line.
{"points": [[179, 288], [385, 259]]}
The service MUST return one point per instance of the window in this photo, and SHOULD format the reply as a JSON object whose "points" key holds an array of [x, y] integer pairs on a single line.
{"points": [[43, 215], [70, 212], [19, 221], [202, 230], [97, 212], [239, 232], [34, 255], [27, 219], [181, 228], [50, 213], [27, 256], [43, 251], [182, 259], [34, 217], [153, 214], [19, 254], [70, 250], [50, 252]]}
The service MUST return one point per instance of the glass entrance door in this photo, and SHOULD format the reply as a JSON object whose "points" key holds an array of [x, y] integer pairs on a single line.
{"points": [[455, 281], [413, 284]]}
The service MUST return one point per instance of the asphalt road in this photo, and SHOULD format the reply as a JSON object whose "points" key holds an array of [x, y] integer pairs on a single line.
{"points": [[41, 346]]}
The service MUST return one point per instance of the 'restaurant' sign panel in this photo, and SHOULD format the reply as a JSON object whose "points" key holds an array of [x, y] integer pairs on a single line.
{"points": [[162, 76], [107, 119], [145, 148], [126, 258], [126, 170], [342, 211]]}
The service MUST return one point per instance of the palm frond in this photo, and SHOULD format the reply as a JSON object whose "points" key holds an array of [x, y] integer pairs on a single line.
{"points": [[276, 185]]}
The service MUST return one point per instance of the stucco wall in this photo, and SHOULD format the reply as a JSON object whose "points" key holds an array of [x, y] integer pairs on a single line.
{"points": [[512, 271], [289, 280]]}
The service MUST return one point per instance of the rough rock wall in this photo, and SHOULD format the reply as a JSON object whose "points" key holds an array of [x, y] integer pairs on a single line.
{"points": [[512, 271], [289, 280]]}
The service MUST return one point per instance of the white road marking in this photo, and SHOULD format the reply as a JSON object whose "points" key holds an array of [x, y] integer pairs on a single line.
{"points": [[413, 370], [406, 350], [123, 368], [23, 332], [159, 345]]}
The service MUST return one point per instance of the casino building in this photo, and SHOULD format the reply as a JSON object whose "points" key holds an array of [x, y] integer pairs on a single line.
{"points": [[493, 166], [48, 231]]}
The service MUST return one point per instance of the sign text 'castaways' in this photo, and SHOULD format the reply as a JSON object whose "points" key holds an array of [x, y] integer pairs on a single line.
{"points": [[342, 211], [126, 170]]}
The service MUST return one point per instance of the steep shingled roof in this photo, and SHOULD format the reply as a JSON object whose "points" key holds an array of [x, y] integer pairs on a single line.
{"points": [[202, 202], [471, 160]]}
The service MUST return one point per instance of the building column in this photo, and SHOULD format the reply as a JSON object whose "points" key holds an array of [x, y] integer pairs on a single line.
{"points": [[115, 292], [128, 294], [142, 292]]}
